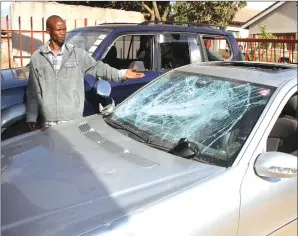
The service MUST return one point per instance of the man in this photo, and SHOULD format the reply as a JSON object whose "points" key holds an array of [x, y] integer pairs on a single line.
{"points": [[242, 54], [56, 84]]}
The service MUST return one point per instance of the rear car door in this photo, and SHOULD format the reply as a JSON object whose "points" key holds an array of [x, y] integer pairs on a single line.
{"points": [[177, 49]]}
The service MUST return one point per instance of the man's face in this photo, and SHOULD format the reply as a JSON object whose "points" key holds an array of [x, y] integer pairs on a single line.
{"points": [[57, 30]]}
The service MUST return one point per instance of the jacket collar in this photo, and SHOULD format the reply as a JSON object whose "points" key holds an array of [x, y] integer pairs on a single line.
{"points": [[45, 48]]}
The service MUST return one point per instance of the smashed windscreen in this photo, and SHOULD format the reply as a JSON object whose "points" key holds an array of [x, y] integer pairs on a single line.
{"points": [[216, 113], [87, 40]]}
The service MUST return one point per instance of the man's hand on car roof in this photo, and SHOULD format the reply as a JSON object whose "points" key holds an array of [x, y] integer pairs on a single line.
{"points": [[131, 74]]}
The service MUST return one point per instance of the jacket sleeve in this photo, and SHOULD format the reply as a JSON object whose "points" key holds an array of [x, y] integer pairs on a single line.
{"points": [[33, 95], [98, 68]]}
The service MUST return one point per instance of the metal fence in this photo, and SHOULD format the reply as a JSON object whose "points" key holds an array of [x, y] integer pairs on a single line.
{"points": [[270, 50], [273, 50], [7, 60]]}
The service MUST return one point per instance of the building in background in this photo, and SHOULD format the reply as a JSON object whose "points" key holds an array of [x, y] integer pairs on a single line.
{"points": [[280, 19], [242, 16], [27, 19]]}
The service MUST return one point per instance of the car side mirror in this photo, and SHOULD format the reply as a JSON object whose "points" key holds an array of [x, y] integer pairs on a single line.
{"points": [[103, 88], [276, 165]]}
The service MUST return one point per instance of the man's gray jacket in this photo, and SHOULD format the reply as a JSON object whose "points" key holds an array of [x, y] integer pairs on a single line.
{"points": [[61, 96]]}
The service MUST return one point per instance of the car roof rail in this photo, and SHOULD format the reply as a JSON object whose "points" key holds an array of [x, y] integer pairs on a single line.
{"points": [[189, 24], [117, 23]]}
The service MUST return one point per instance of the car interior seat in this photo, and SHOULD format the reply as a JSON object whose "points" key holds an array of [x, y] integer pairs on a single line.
{"points": [[139, 65], [295, 153], [284, 135], [235, 137], [181, 53]]}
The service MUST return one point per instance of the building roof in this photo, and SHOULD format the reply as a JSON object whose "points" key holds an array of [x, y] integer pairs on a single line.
{"points": [[262, 14], [244, 14]]}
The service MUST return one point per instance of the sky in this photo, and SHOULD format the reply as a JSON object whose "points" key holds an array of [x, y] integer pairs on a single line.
{"points": [[258, 5], [5, 8], [253, 5]]}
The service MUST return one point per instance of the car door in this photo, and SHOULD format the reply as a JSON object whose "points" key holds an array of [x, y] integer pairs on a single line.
{"points": [[177, 49], [268, 205], [132, 50]]}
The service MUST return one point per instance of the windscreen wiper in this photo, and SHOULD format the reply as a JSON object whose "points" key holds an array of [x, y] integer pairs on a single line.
{"points": [[140, 134], [120, 125]]}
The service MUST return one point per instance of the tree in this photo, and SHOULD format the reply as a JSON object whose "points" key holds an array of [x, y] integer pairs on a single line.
{"points": [[219, 13], [151, 10], [265, 35], [263, 45]]}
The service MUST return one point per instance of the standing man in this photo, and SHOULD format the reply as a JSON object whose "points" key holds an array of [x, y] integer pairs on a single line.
{"points": [[242, 54], [56, 78]]}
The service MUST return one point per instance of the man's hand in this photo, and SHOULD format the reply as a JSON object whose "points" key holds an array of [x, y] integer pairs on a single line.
{"points": [[131, 74], [32, 126]]}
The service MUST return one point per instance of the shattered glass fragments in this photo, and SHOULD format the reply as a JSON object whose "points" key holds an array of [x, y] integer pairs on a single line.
{"points": [[209, 111]]}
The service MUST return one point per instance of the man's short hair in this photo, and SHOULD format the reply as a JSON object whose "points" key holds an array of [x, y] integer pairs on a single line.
{"points": [[51, 18]]}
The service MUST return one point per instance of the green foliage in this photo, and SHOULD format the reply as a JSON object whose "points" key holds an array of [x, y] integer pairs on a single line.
{"points": [[123, 5], [265, 35], [252, 53], [219, 13], [151, 10]]}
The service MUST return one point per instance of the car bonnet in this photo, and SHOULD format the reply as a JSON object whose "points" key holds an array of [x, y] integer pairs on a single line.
{"points": [[64, 180]]}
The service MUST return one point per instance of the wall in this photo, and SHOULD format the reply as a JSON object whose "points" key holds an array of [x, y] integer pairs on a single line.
{"points": [[38, 10], [281, 20], [238, 32], [4, 52]]}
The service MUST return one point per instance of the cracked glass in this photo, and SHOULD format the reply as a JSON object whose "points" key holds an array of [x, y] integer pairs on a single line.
{"points": [[216, 113]]}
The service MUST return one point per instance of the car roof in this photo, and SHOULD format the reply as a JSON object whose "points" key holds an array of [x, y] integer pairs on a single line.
{"points": [[269, 74], [121, 27]]}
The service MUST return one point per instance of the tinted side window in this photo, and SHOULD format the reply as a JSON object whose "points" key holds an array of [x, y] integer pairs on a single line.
{"points": [[284, 134], [217, 48], [130, 48], [174, 50], [87, 40]]}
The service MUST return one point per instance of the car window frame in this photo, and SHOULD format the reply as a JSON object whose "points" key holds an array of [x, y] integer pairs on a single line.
{"points": [[199, 49], [278, 110], [215, 35], [258, 137], [129, 33]]}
